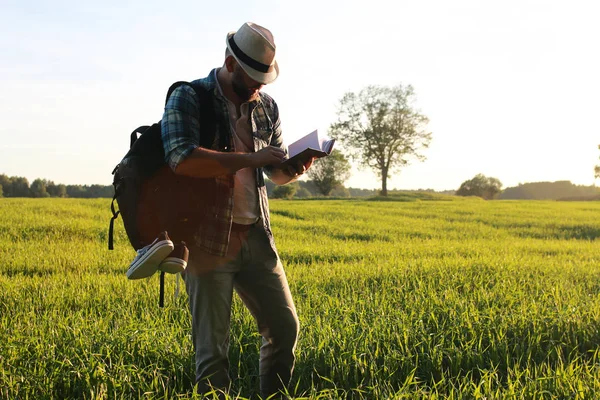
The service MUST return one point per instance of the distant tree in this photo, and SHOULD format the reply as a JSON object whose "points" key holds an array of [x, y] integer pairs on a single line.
{"points": [[481, 186], [329, 172], [382, 129], [597, 168], [303, 193], [38, 188], [1, 192], [51, 188], [285, 191], [340, 191], [20, 187], [56, 190], [61, 190], [75, 191], [6, 183]]}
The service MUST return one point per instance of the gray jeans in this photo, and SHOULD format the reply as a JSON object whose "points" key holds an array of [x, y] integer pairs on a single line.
{"points": [[254, 270]]}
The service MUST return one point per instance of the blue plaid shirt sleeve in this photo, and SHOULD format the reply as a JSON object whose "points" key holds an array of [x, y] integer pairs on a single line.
{"points": [[180, 128], [276, 138]]}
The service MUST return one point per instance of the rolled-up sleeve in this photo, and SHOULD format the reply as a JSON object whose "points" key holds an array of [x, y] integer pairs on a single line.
{"points": [[180, 128]]}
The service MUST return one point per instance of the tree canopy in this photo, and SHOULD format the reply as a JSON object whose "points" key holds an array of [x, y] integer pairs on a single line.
{"points": [[480, 186], [38, 188], [285, 191], [380, 127]]}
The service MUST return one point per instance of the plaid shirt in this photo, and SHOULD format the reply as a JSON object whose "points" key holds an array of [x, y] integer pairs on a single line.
{"points": [[181, 135]]}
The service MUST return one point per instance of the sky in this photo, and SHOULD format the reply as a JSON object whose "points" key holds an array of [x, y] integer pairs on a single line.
{"points": [[511, 88]]}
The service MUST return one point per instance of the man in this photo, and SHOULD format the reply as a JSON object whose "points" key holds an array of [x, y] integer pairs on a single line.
{"points": [[234, 247]]}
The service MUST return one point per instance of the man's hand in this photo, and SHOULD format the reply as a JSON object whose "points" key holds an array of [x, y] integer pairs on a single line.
{"points": [[281, 175], [298, 169], [269, 155]]}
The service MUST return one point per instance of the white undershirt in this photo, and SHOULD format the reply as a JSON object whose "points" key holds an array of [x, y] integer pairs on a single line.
{"points": [[245, 193]]}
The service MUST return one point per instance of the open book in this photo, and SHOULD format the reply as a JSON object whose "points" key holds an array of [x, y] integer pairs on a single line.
{"points": [[311, 145]]}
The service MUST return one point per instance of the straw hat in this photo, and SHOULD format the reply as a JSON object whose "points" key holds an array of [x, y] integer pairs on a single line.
{"points": [[253, 48]]}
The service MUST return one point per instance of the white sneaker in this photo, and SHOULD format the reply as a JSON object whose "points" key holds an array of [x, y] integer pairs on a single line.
{"points": [[176, 261], [148, 258]]}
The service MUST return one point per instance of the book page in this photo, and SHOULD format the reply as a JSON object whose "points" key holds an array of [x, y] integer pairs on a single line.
{"points": [[307, 147], [310, 141], [327, 145]]}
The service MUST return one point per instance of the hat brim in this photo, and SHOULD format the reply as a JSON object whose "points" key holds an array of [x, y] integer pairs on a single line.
{"points": [[261, 77]]}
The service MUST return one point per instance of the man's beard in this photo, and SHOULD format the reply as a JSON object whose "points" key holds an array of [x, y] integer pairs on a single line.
{"points": [[240, 89]]}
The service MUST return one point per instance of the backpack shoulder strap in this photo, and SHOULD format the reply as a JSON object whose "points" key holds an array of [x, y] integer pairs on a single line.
{"points": [[203, 95], [134, 135], [173, 87], [207, 115]]}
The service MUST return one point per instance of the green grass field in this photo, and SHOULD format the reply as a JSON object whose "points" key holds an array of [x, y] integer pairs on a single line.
{"points": [[413, 298]]}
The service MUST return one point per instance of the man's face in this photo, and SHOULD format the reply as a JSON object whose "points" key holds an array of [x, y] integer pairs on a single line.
{"points": [[245, 87]]}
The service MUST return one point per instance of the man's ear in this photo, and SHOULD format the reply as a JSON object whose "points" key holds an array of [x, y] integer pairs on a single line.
{"points": [[230, 63]]}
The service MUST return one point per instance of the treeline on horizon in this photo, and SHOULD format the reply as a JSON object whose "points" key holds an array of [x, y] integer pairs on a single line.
{"points": [[559, 190], [16, 186]]}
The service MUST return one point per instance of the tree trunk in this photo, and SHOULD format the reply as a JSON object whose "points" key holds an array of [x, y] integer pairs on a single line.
{"points": [[384, 176]]}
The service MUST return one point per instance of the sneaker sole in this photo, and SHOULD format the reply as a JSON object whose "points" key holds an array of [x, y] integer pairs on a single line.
{"points": [[172, 265], [148, 264]]}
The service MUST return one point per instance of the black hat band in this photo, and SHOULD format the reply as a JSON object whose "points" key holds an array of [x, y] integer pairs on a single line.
{"points": [[246, 59]]}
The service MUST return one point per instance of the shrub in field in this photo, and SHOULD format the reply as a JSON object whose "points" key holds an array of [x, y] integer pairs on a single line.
{"points": [[284, 191], [330, 172], [481, 186]]}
